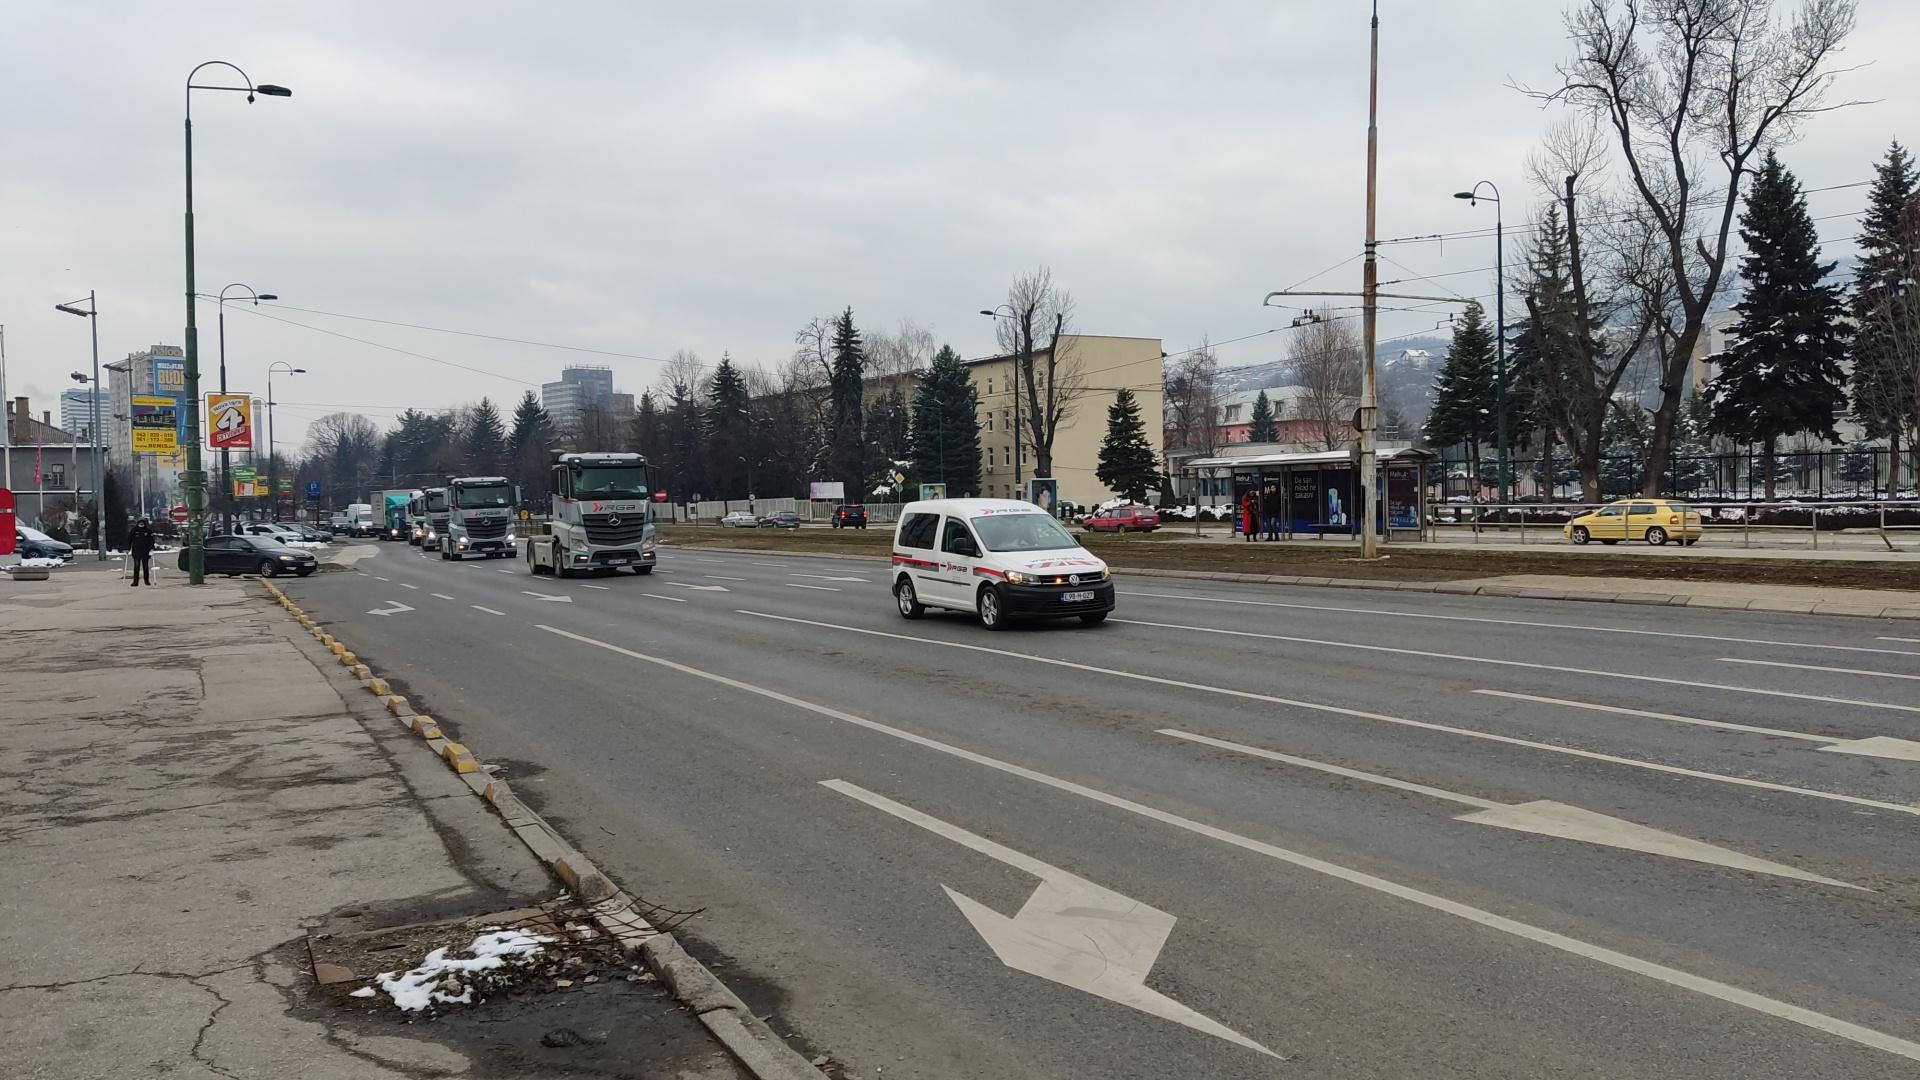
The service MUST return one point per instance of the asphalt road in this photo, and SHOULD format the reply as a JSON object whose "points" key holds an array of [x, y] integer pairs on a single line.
{"points": [[1371, 834]]}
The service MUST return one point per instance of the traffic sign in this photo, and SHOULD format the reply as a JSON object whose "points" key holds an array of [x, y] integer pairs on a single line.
{"points": [[178, 514]]}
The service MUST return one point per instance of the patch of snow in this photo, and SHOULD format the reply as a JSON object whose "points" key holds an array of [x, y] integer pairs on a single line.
{"points": [[38, 564], [364, 992], [305, 544], [420, 987]]}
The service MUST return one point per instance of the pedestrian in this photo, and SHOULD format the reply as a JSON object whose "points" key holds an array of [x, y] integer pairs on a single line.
{"points": [[1250, 514], [1272, 512], [140, 549]]}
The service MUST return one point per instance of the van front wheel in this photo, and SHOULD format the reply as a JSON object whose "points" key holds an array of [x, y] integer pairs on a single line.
{"points": [[988, 607]]}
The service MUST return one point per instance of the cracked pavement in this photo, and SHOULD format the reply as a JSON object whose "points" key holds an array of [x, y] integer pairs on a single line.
{"points": [[185, 792]]}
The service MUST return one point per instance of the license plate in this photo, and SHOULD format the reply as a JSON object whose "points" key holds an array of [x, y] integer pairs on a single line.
{"points": [[1073, 597], [617, 562]]}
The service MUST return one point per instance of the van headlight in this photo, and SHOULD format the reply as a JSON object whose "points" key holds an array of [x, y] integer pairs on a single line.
{"points": [[1015, 577], [1105, 573]]}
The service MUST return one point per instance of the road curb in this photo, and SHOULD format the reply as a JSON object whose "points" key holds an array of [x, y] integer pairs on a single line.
{"points": [[751, 1042], [1458, 588]]}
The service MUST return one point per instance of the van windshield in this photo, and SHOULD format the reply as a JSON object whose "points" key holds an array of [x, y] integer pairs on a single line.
{"points": [[1021, 532]]}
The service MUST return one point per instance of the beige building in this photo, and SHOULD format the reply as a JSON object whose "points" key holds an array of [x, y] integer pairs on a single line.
{"points": [[1093, 368]]}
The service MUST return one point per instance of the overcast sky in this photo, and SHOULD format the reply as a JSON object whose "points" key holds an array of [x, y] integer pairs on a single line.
{"points": [[646, 177]]}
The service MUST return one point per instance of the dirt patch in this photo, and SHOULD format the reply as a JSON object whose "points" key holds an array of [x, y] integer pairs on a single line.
{"points": [[1167, 550]]}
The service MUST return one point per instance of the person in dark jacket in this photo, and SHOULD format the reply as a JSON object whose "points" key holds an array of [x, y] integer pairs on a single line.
{"points": [[140, 546]]}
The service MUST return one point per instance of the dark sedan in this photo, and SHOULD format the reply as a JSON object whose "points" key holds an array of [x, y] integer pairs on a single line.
{"points": [[261, 555], [31, 543], [781, 519]]}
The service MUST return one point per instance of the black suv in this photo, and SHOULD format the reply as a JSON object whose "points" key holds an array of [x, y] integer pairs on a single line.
{"points": [[850, 516]]}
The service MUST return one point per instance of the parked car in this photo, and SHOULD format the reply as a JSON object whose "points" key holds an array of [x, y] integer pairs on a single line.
{"points": [[1122, 519], [850, 516], [31, 543], [280, 533], [740, 519], [310, 533], [782, 519], [1654, 520], [251, 554], [997, 558]]}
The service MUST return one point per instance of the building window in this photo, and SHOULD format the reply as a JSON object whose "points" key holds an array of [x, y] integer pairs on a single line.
{"points": [[57, 475], [989, 385], [989, 421], [1233, 413]]}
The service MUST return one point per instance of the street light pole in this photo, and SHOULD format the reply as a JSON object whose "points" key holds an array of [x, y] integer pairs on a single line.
{"points": [[273, 459], [196, 476], [1499, 333], [226, 471], [1024, 333], [92, 315], [1370, 288]]}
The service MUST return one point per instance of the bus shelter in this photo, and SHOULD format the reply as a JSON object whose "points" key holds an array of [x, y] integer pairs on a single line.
{"points": [[1318, 493]]}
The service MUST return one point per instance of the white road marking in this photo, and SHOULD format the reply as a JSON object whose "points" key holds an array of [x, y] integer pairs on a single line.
{"points": [[1817, 667], [657, 596], [1876, 746], [549, 597], [404, 585], [831, 577], [501, 570], [1540, 625], [1070, 931], [1909, 640], [1671, 976], [1546, 818], [724, 577], [394, 607], [821, 588], [440, 596], [1336, 710], [488, 610], [1521, 664], [699, 588], [377, 577], [584, 585]]}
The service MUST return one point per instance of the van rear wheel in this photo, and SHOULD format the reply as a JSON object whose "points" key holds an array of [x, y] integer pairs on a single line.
{"points": [[907, 599]]}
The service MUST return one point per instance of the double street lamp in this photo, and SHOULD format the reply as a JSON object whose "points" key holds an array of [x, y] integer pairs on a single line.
{"points": [[273, 461], [92, 315], [1499, 332], [196, 477], [226, 471], [1024, 331]]}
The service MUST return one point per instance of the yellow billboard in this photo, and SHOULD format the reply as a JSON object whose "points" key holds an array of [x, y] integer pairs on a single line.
{"points": [[156, 425]]}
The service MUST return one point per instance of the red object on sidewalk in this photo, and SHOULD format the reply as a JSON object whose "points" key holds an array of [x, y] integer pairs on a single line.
{"points": [[6, 521]]}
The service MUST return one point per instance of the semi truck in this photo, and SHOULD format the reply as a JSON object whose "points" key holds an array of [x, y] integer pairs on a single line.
{"points": [[391, 505], [479, 518], [434, 502], [601, 518]]}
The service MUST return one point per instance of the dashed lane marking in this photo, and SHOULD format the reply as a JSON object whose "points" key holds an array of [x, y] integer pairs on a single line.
{"points": [[488, 610]]}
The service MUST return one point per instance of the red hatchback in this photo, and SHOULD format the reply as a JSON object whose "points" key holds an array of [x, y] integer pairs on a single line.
{"points": [[1122, 519]]}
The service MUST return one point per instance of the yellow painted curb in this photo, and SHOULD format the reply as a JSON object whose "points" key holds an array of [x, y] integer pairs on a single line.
{"points": [[337, 647], [347, 659], [459, 758], [395, 703], [378, 686], [362, 671], [327, 640], [424, 726]]}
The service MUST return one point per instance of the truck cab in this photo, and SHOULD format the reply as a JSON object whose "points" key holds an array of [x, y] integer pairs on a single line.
{"points": [[434, 502], [479, 519], [601, 517]]}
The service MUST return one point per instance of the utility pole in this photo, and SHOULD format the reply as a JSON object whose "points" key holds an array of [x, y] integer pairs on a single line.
{"points": [[1369, 309], [6, 414]]}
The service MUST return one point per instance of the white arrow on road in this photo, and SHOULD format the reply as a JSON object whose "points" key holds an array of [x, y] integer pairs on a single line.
{"points": [[548, 597], [1070, 931], [394, 607], [830, 577], [1545, 817], [699, 588]]}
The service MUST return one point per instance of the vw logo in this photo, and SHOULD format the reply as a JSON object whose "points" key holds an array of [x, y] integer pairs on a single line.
{"points": [[1073, 579], [613, 519]]}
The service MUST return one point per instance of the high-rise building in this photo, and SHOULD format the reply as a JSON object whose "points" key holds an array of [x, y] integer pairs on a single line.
{"points": [[581, 387], [76, 412]]}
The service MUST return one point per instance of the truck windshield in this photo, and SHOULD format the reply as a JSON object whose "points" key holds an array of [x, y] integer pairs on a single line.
{"points": [[1022, 532], [480, 496], [436, 501], [610, 481]]}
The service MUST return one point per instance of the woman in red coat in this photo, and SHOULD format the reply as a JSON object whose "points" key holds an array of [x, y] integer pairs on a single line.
{"points": [[1250, 514]]}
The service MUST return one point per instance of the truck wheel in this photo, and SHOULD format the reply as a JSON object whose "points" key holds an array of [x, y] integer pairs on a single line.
{"points": [[643, 569], [532, 567]]}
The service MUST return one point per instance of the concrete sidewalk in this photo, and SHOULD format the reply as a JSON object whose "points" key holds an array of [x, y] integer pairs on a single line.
{"points": [[189, 795]]}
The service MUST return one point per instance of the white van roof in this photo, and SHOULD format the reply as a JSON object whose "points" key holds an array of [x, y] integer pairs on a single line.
{"points": [[970, 508]]}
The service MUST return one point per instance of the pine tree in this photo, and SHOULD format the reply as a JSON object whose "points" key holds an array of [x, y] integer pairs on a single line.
{"points": [[1127, 462], [486, 438], [946, 433], [1692, 467], [889, 435], [1623, 443], [1857, 467], [527, 447], [683, 436], [1782, 375], [1465, 392], [1262, 429], [1883, 386], [727, 435], [846, 415], [644, 439]]}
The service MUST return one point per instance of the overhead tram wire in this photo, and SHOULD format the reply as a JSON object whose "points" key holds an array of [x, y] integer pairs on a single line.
{"points": [[390, 348], [476, 334]]}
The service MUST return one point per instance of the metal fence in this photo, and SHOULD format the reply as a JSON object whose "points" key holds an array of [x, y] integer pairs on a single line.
{"points": [[1748, 523], [1859, 472]]}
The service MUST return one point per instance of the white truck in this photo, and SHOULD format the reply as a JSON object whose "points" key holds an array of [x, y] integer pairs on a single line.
{"points": [[479, 518], [434, 504], [601, 517]]}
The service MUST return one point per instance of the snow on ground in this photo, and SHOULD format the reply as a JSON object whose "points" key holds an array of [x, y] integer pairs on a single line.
{"points": [[438, 975], [36, 564], [306, 543]]}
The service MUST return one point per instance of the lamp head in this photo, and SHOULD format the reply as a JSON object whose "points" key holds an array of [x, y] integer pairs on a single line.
{"points": [[270, 90], [265, 296], [299, 371], [77, 377], [71, 310], [987, 313]]}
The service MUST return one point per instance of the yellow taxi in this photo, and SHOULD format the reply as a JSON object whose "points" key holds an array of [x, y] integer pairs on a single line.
{"points": [[1654, 520]]}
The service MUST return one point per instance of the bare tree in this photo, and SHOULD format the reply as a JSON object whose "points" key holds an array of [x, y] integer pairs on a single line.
{"points": [[1048, 381], [1691, 92], [1324, 360], [1192, 396], [907, 350]]}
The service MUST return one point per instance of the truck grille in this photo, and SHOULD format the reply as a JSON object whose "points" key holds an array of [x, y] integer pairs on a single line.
{"points": [[486, 530], [602, 532]]}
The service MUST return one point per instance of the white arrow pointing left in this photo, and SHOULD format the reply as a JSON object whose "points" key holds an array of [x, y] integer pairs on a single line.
{"points": [[548, 596], [1070, 931], [394, 607]]}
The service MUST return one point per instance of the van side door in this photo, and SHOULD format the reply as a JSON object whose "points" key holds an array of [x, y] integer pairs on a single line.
{"points": [[916, 553], [959, 554]]}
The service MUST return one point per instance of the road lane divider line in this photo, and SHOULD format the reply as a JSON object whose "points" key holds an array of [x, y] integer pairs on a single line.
{"points": [[1670, 976], [377, 577], [817, 588], [1545, 817], [1361, 714], [658, 596], [501, 570], [1398, 614], [1527, 665], [584, 585], [1881, 746], [440, 596], [488, 610], [404, 585], [1818, 667], [725, 577]]}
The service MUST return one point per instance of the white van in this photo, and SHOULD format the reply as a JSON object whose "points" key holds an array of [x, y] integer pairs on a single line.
{"points": [[998, 558]]}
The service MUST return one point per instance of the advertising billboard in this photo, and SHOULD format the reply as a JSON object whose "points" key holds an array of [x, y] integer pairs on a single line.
{"points": [[1044, 492], [170, 381], [933, 491], [827, 491], [156, 424], [229, 422]]}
